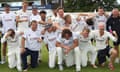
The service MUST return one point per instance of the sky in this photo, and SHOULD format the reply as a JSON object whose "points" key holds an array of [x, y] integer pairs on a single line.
{"points": [[118, 1]]}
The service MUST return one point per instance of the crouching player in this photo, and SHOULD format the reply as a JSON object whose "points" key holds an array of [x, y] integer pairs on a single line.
{"points": [[86, 48], [66, 44], [101, 36], [12, 39], [50, 40]]}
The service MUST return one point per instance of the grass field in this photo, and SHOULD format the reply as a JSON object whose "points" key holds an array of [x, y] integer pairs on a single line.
{"points": [[43, 67]]}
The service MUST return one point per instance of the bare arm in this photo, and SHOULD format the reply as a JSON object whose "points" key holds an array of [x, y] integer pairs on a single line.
{"points": [[22, 45]]}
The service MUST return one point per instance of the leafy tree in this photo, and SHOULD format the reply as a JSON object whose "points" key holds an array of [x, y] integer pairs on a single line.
{"points": [[89, 5]]}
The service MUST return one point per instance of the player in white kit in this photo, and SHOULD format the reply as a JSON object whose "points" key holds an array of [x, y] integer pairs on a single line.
{"points": [[101, 36], [66, 44], [35, 15], [14, 56], [8, 20], [86, 47], [50, 41], [22, 18], [100, 17], [33, 44]]}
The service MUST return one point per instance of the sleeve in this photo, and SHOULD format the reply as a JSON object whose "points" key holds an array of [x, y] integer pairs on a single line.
{"points": [[4, 39], [92, 34], [75, 35], [111, 37]]}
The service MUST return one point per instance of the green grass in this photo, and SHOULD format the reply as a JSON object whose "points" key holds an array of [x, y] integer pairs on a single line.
{"points": [[43, 67]]}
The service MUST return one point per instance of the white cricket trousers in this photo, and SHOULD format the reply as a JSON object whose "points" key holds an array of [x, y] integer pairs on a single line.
{"points": [[14, 58], [69, 58], [77, 53], [52, 58], [85, 52]]}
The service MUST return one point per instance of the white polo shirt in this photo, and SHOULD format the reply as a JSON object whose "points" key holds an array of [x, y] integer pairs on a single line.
{"points": [[35, 17], [85, 43], [98, 19], [8, 21], [31, 38], [22, 26], [50, 39], [60, 21], [101, 40]]}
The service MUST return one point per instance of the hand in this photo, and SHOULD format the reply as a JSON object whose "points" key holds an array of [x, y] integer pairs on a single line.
{"points": [[39, 40], [114, 32], [66, 47], [8, 34], [43, 32], [67, 51], [23, 50]]}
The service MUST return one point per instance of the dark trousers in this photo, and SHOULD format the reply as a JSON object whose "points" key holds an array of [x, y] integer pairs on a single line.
{"points": [[34, 58], [102, 54]]}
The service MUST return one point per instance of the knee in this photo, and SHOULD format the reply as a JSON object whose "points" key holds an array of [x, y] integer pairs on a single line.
{"points": [[76, 50], [59, 49], [114, 52]]}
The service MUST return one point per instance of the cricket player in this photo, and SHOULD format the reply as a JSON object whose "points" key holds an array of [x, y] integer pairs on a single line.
{"points": [[22, 18], [12, 38], [32, 46], [8, 22], [86, 47], [66, 44], [35, 15], [101, 16], [50, 41], [101, 36]]}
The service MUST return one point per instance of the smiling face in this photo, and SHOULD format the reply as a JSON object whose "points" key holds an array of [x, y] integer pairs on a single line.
{"points": [[61, 12], [115, 12], [100, 11], [85, 32], [7, 9], [24, 5], [34, 25]]}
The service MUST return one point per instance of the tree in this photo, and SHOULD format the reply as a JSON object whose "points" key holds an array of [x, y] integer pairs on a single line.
{"points": [[89, 5]]}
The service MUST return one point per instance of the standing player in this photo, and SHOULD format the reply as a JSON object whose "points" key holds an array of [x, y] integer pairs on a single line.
{"points": [[60, 18], [66, 44], [22, 18], [12, 38], [8, 22], [100, 17], [35, 15], [101, 36]]}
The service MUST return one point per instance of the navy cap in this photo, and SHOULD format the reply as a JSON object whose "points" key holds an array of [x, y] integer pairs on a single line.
{"points": [[34, 7], [48, 26]]}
